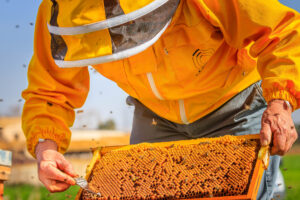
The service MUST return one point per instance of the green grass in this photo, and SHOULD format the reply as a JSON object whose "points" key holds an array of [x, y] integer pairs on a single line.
{"points": [[28, 192], [290, 170], [291, 173]]}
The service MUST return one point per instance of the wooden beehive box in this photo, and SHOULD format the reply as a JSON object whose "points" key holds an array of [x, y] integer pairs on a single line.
{"points": [[206, 169], [5, 169]]}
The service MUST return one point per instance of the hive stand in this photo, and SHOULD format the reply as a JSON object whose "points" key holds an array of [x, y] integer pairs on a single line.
{"points": [[5, 169]]}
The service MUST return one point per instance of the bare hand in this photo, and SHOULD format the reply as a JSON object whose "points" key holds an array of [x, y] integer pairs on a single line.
{"points": [[277, 127], [54, 171]]}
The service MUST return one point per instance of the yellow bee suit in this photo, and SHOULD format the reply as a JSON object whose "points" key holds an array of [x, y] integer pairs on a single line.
{"points": [[211, 51]]}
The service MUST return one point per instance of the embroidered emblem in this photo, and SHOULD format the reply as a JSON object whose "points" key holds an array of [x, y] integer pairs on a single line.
{"points": [[200, 58]]}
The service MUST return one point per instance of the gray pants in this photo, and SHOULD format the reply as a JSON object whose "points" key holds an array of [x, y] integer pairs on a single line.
{"points": [[240, 115]]}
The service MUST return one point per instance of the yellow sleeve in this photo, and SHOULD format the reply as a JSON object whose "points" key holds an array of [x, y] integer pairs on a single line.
{"points": [[52, 92], [272, 32]]}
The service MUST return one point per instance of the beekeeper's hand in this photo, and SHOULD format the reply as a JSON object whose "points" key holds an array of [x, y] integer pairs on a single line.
{"points": [[54, 171], [277, 127]]}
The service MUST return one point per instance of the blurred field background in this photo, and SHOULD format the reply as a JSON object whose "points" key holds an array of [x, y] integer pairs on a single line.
{"points": [[291, 173]]}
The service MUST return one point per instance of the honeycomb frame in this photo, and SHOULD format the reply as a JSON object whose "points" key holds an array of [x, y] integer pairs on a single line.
{"points": [[254, 180]]}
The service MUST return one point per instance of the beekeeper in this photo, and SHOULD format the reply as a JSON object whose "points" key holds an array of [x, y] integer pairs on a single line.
{"points": [[196, 67]]}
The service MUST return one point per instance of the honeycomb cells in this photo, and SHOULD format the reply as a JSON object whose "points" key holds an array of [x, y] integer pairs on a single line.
{"points": [[211, 168]]}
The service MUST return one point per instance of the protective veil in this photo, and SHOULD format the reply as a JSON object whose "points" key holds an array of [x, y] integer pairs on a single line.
{"points": [[92, 32]]}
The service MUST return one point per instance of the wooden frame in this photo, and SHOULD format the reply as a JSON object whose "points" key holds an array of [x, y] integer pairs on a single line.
{"points": [[252, 190]]}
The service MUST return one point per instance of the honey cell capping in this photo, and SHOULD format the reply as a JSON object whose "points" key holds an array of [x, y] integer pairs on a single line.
{"points": [[255, 176]]}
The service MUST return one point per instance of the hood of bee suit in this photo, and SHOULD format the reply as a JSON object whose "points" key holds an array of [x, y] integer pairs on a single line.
{"points": [[89, 32]]}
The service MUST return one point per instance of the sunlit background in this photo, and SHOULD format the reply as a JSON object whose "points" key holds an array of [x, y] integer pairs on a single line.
{"points": [[17, 18], [105, 101]]}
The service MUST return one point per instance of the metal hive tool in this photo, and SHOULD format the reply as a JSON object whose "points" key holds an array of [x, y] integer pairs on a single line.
{"points": [[82, 182]]}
